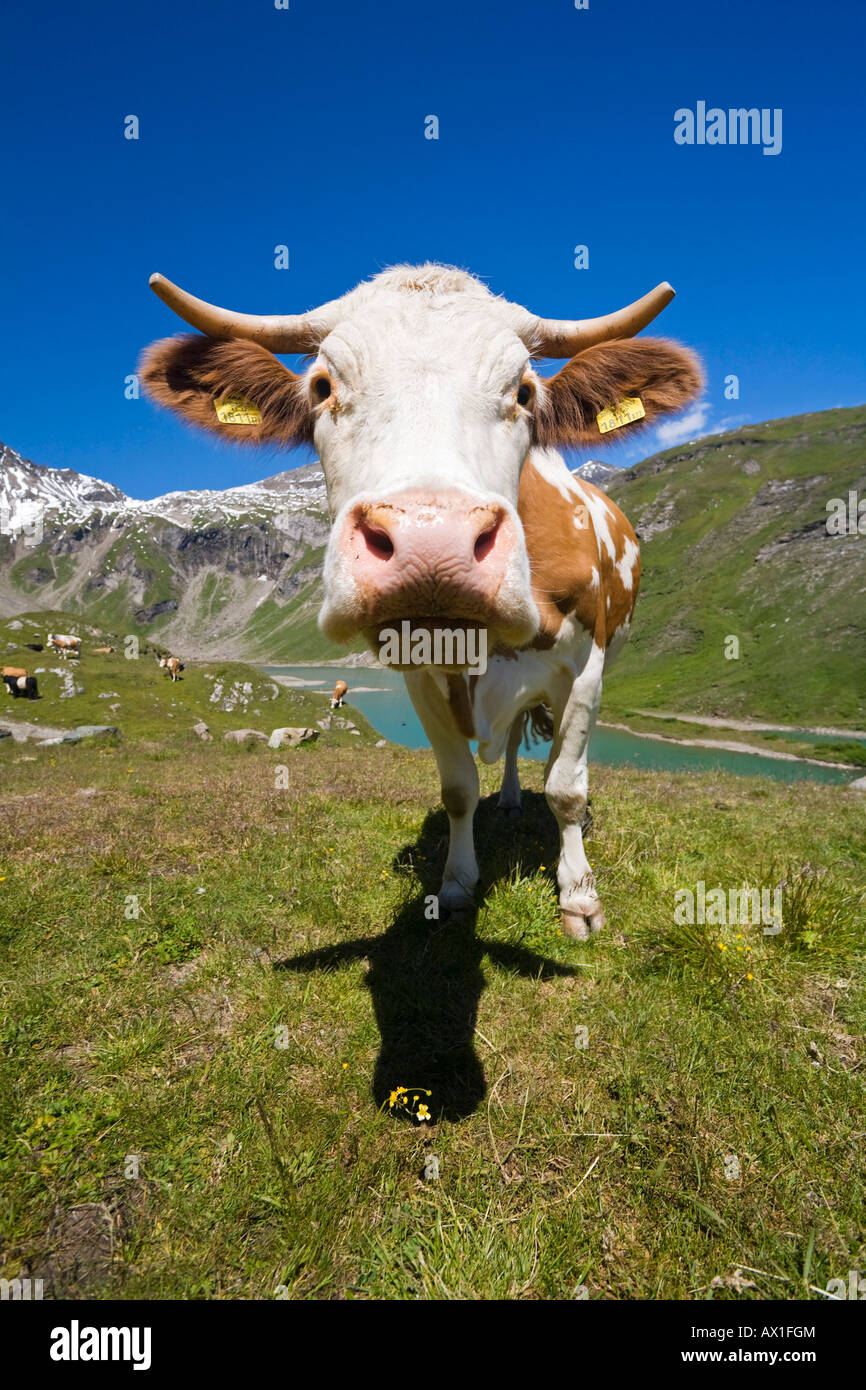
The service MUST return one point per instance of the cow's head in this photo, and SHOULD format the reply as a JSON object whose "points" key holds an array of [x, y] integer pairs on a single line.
{"points": [[422, 402]]}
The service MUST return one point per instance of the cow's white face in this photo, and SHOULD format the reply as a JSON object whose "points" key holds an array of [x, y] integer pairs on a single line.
{"points": [[422, 422], [422, 404]]}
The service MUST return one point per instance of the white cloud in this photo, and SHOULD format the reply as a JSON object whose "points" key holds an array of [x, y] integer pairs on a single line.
{"points": [[690, 426]]}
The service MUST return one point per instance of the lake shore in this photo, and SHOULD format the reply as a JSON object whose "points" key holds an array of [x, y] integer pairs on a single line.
{"points": [[729, 745]]}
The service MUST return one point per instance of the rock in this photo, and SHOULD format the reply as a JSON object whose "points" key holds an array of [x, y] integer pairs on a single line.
{"points": [[15, 627], [203, 731], [859, 785], [50, 742], [244, 736], [356, 733], [88, 791], [5, 733], [382, 743], [90, 731], [324, 724], [291, 738]]}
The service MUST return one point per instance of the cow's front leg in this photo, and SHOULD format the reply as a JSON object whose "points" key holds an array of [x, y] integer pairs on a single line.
{"points": [[459, 777], [565, 788]]}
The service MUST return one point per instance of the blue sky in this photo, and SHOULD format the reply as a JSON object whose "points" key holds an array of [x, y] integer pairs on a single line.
{"points": [[305, 127]]}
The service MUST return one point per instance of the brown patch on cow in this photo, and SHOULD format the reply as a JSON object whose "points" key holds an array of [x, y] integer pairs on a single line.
{"points": [[190, 372], [563, 551], [460, 705], [665, 375], [11, 672]]}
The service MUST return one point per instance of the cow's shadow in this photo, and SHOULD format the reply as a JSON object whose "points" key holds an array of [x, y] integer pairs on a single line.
{"points": [[425, 976]]}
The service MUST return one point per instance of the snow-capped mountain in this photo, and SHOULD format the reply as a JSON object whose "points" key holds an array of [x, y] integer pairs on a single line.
{"points": [[28, 490], [598, 473], [232, 573]]}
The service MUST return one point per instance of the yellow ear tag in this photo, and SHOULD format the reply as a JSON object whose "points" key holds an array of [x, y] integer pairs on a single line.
{"points": [[625, 412], [237, 410]]}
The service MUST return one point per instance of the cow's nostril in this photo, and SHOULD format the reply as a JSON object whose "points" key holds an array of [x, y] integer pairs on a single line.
{"points": [[486, 541], [378, 542]]}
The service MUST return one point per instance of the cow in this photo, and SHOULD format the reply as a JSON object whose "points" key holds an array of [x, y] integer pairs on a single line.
{"points": [[172, 666], [339, 695], [66, 645], [102, 651], [451, 507], [19, 682]]}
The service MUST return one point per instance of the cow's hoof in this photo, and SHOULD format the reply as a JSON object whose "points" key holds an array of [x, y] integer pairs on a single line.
{"points": [[454, 897], [582, 918]]}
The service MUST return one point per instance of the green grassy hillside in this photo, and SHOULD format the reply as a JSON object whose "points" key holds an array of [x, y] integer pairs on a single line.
{"points": [[140, 699], [734, 544]]}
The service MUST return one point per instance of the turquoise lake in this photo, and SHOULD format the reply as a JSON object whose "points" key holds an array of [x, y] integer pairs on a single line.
{"points": [[382, 697]]}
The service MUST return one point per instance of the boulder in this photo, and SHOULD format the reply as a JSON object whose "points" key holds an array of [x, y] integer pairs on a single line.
{"points": [[859, 785], [291, 738], [203, 732], [90, 731], [244, 736]]}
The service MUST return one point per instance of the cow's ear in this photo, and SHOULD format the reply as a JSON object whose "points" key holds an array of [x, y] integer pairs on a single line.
{"points": [[664, 375], [235, 388]]}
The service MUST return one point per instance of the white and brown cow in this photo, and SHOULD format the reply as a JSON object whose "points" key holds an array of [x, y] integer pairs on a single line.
{"points": [[339, 695], [172, 665], [450, 504], [19, 681], [64, 643]]}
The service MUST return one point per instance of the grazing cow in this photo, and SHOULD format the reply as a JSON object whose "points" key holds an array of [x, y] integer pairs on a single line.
{"points": [[66, 645], [172, 666], [452, 513], [339, 695], [19, 682]]}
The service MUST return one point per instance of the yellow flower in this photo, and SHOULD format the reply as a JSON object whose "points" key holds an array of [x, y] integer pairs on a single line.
{"points": [[750, 977], [422, 1113]]}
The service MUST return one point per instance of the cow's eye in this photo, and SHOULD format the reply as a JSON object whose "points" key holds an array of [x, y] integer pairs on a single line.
{"points": [[321, 388], [524, 394]]}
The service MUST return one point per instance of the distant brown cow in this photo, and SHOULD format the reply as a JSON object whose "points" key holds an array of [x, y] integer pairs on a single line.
{"points": [[67, 644], [339, 694], [172, 666], [102, 650]]}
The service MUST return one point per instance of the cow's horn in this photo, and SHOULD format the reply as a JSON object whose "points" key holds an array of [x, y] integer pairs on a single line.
{"points": [[565, 337], [278, 332]]}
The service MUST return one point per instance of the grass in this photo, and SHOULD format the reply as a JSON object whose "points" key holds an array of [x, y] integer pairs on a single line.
{"points": [[212, 987]]}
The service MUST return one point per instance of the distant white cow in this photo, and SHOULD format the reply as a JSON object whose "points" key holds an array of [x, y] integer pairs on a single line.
{"points": [[64, 643]]}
